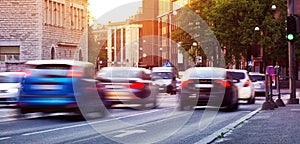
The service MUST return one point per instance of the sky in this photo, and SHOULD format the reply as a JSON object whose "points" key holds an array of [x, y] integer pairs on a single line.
{"points": [[113, 10]]}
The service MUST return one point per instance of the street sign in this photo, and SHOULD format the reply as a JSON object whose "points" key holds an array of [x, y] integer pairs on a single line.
{"points": [[199, 59], [167, 64], [249, 63]]}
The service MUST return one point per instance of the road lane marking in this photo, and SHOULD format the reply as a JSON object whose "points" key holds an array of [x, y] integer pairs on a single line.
{"points": [[128, 132], [79, 125], [211, 138], [4, 138]]}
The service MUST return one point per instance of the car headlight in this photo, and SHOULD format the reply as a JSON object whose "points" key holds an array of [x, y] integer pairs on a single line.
{"points": [[13, 90]]}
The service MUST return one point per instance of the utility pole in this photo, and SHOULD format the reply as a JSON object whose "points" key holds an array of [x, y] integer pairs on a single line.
{"points": [[291, 48]]}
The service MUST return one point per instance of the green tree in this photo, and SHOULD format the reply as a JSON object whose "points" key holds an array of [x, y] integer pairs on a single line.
{"points": [[92, 46], [194, 29], [235, 23]]}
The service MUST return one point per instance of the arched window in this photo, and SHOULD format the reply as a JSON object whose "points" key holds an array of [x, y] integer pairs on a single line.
{"points": [[80, 56], [52, 53]]}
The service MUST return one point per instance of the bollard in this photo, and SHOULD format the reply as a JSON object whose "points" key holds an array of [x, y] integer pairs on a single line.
{"points": [[267, 105], [279, 101], [271, 92]]}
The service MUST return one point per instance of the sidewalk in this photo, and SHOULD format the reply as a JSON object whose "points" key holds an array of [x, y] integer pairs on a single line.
{"points": [[278, 126]]}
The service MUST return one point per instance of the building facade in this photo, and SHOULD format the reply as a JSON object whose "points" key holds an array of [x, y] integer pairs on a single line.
{"points": [[123, 44], [42, 29]]}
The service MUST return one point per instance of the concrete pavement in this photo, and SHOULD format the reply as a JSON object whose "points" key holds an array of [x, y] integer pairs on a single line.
{"points": [[278, 126]]}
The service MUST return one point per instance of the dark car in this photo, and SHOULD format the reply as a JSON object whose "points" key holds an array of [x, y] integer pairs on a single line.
{"points": [[208, 86], [60, 86], [127, 85]]}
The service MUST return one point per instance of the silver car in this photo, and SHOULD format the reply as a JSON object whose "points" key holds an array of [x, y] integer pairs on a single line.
{"points": [[10, 85], [127, 86], [258, 80]]}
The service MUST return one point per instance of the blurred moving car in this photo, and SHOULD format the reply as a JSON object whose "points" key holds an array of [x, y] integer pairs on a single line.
{"points": [[60, 86], [10, 86], [245, 86], [178, 84], [258, 80], [127, 85], [165, 78], [208, 86]]}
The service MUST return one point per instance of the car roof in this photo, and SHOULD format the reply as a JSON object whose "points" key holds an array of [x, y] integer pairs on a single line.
{"points": [[162, 69], [12, 73], [237, 70], [256, 73], [60, 61], [123, 68]]}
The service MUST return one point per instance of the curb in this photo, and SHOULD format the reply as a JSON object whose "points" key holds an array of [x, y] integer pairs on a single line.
{"points": [[220, 133]]}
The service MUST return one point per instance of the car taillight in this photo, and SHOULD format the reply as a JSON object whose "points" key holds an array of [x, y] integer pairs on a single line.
{"points": [[74, 74], [136, 85], [27, 73], [179, 82], [223, 83], [20, 74], [186, 83], [247, 83]]}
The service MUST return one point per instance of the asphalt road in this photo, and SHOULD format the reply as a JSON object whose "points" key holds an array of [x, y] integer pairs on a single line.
{"points": [[165, 124]]}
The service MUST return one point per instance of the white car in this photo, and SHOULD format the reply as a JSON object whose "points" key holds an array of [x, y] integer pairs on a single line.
{"points": [[245, 85], [258, 80], [10, 85]]}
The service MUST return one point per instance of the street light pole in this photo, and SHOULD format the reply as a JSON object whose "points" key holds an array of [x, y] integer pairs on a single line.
{"points": [[291, 48], [160, 49]]}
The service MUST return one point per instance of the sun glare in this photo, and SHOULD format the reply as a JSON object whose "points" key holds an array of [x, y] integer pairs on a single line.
{"points": [[101, 8]]}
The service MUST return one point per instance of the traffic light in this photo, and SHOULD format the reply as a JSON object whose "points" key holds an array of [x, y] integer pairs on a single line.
{"points": [[291, 28]]}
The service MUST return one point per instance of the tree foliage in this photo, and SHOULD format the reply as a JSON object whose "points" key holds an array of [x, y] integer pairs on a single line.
{"points": [[233, 23], [92, 46]]}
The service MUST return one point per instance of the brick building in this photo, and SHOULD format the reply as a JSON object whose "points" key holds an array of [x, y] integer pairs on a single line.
{"points": [[42, 29]]}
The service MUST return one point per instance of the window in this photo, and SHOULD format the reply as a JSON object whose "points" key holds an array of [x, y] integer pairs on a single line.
{"points": [[80, 56], [52, 53], [77, 16], [9, 53], [54, 12]]}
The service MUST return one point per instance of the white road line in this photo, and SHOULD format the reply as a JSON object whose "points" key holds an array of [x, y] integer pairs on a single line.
{"points": [[128, 132], [79, 125], [4, 138], [227, 128]]}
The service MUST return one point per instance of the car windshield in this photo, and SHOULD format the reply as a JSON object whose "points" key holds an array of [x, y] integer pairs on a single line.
{"points": [[120, 73], [161, 75], [206, 73], [257, 77], [54, 66], [7, 79], [238, 75]]}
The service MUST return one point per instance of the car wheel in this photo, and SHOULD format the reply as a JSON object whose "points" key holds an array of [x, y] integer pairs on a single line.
{"points": [[251, 100], [154, 104], [234, 105], [21, 113], [183, 105], [169, 89]]}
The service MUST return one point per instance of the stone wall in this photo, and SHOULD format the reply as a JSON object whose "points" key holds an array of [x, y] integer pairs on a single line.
{"points": [[18, 27]]}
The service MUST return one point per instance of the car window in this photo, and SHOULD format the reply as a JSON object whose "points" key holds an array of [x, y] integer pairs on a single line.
{"points": [[120, 73], [161, 75], [238, 75], [53, 66], [257, 77], [6, 79], [207, 74]]}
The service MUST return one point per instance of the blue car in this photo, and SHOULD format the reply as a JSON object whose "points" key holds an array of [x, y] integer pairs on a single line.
{"points": [[60, 86]]}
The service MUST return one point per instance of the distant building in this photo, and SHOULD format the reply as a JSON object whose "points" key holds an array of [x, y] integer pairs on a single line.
{"points": [[123, 45], [42, 29]]}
